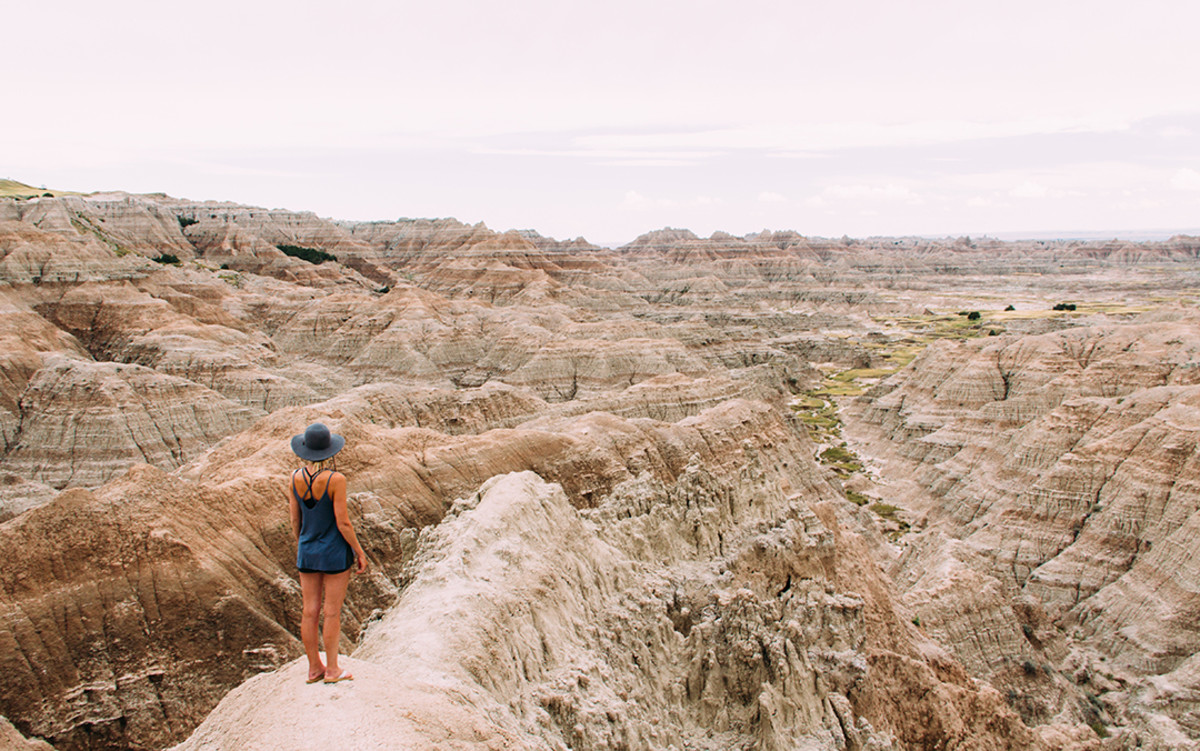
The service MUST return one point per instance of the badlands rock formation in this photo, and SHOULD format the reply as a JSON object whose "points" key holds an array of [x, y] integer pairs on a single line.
{"points": [[1059, 475], [608, 494]]}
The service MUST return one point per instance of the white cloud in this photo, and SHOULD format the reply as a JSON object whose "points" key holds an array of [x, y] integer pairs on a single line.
{"points": [[1029, 189], [770, 197], [808, 137], [887, 192], [616, 157], [1186, 179], [636, 201]]}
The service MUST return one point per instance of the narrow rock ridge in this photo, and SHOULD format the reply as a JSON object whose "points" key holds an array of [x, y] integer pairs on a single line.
{"points": [[520, 626]]}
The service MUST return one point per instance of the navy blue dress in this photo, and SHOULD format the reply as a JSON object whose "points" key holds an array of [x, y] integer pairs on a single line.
{"points": [[322, 549]]}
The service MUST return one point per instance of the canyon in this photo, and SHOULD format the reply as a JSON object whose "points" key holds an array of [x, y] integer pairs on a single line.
{"points": [[760, 492]]}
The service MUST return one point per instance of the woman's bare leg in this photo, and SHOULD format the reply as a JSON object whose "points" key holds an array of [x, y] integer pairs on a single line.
{"points": [[310, 588], [335, 593]]}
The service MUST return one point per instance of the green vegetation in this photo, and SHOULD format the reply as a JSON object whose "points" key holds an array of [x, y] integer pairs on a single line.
{"points": [[817, 409], [312, 255], [170, 258], [857, 498], [187, 221], [1064, 306], [819, 416], [886, 510], [841, 460]]}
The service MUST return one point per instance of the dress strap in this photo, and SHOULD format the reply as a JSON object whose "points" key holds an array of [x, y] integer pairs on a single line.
{"points": [[308, 480]]}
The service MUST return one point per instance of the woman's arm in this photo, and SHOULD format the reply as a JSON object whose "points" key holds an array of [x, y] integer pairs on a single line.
{"points": [[337, 487], [294, 508]]}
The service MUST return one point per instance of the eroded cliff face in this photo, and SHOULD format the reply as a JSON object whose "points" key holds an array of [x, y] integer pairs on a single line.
{"points": [[1056, 481], [659, 555]]}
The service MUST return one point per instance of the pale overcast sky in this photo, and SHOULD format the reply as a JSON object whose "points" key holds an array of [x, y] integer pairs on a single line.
{"points": [[608, 119]]}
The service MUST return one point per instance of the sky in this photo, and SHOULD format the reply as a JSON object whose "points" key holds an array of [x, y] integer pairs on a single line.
{"points": [[610, 119]]}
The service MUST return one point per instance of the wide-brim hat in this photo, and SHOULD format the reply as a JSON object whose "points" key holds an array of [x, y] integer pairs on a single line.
{"points": [[317, 443]]}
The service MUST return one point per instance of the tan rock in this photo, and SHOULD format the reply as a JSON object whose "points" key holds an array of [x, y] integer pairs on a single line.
{"points": [[84, 422]]}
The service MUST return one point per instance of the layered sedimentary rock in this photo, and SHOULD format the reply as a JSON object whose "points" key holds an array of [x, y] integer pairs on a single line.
{"points": [[721, 591], [83, 419], [211, 547], [31, 255], [1059, 476]]}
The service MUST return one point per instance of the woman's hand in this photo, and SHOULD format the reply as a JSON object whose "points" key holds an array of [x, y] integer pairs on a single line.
{"points": [[361, 559]]}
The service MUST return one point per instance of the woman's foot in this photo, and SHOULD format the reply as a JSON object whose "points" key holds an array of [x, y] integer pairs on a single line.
{"points": [[314, 677], [337, 677]]}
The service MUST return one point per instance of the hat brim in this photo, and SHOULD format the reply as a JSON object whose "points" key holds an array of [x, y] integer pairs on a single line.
{"points": [[336, 443]]}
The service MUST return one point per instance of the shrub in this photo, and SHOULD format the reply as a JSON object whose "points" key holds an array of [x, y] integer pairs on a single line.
{"points": [[1064, 306], [166, 258], [1010, 307], [973, 315], [886, 510], [187, 221], [857, 498], [312, 255]]}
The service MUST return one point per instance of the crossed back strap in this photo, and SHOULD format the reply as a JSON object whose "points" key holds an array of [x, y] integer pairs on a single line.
{"points": [[307, 499]]}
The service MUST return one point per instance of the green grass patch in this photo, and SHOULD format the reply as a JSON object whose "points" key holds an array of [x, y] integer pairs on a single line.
{"points": [[1112, 308], [14, 189], [809, 402], [838, 454], [885, 510], [903, 356], [854, 374], [857, 498], [841, 460], [838, 389], [820, 420]]}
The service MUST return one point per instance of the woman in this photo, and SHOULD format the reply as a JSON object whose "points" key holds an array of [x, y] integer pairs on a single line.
{"points": [[327, 547]]}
